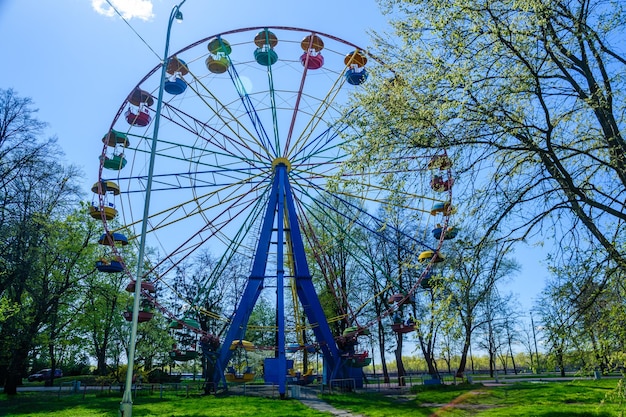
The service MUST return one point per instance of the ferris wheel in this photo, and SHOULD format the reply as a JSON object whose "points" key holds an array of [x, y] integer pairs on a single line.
{"points": [[252, 163]]}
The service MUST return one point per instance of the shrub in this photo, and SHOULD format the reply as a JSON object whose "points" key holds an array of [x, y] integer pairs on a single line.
{"points": [[159, 376]]}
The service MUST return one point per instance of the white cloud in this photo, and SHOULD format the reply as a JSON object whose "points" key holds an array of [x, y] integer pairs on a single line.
{"points": [[141, 9]]}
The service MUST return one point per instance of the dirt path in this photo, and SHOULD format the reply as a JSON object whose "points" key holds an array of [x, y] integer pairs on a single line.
{"points": [[456, 403]]}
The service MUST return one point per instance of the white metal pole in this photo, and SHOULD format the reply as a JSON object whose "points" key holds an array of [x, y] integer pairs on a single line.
{"points": [[126, 406]]}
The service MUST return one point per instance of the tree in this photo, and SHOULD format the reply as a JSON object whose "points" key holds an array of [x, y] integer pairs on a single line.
{"points": [[215, 285], [529, 342], [511, 336], [581, 310], [337, 242], [102, 301], [497, 331], [378, 285], [41, 248], [394, 255], [45, 279], [529, 98], [430, 308], [470, 279]]}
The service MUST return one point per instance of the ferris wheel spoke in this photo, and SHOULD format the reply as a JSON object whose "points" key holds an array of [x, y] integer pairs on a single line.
{"points": [[218, 207], [228, 120], [341, 204], [228, 198], [235, 245], [215, 174], [296, 108], [233, 144], [359, 255], [331, 215], [237, 207], [315, 119], [359, 186], [323, 147], [251, 110], [312, 45]]}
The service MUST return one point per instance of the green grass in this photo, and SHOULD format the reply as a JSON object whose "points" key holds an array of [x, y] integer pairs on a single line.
{"points": [[37, 405], [582, 398]]}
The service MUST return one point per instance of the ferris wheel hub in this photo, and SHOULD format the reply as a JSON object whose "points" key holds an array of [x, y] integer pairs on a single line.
{"points": [[281, 161]]}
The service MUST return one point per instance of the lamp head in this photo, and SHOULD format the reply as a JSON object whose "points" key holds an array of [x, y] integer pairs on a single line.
{"points": [[178, 16]]}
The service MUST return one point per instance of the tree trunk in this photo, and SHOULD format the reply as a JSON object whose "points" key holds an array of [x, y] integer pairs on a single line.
{"points": [[14, 370], [492, 350], [399, 363], [53, 364], [102, 364], [20, 347], [10, 386], [560, 361], [428, 357], [512, 358], [381, 347], [466, 347]]}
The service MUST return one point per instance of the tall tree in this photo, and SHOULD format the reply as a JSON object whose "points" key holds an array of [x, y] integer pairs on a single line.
{"points": [[336, 240], [394, 255], [581, 309], [378, 285], [529, 97], [41, 248], [497, 330], [102, 303], [471, 277]]}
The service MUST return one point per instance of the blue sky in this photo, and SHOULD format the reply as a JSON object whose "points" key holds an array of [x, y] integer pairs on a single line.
{"points": [[78, 61], [79, 64]]}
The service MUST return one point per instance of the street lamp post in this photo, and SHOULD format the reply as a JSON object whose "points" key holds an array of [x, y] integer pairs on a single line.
{"points": [[126, 406]]}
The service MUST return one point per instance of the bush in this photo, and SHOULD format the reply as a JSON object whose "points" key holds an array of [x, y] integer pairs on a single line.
{"points": [[157, 376]]}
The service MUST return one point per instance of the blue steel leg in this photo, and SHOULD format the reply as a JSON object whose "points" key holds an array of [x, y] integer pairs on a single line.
{"points": [[282, 209], [281, 174], [306, 291], [253, 289]]}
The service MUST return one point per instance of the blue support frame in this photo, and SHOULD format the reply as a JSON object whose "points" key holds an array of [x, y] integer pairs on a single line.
{"points": [[281, 208]]}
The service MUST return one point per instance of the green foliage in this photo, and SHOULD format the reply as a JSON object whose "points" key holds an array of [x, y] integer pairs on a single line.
{"points": [[161, 377], [479, 363], [7, 308], [528, 98], [582, 313], [262, 322]]}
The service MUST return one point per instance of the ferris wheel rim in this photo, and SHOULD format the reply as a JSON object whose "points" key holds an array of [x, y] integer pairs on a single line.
{"points": [[195, 44]]}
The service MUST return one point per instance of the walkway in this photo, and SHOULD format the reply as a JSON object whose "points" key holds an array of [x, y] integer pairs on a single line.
{"points": [[308, 397]]}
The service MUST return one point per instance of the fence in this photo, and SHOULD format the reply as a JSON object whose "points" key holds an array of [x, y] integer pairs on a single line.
{"points": [[377, 381], [192, 388], [162, 390]]}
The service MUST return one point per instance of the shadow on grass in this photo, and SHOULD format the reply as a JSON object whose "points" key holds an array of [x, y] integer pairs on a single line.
{"points": [[29, 404], [365, 402], [192, 406]]}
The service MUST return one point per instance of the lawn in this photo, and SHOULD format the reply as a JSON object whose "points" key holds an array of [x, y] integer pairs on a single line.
{"points": [[37, 405], [579, 398], [541, 399]]}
